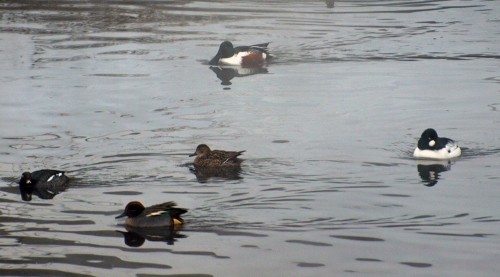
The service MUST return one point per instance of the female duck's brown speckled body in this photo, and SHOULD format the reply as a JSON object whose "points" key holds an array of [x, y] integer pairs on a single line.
{"points": [[215, 158]]}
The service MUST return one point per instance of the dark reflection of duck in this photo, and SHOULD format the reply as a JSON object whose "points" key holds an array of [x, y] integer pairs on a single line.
{"points": [[226, 73], [330, 3], [45, 183], [135, 237], [429, 170], [203, 174]]}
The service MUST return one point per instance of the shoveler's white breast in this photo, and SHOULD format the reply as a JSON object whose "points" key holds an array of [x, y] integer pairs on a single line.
{"points": [[237, 59], [449, 152]]}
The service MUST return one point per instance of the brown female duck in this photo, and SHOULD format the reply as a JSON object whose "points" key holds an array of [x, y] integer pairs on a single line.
{"points": [[215, 158]]}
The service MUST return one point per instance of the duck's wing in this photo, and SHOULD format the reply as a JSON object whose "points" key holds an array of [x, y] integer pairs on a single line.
{"points": [[450, 145], [45, 174], [158, 208], [262, 47], [225, 155], [165, 207]]}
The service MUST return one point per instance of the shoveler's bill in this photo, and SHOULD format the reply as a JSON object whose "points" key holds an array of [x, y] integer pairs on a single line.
{"points": [[253, 55], [431, 146]]}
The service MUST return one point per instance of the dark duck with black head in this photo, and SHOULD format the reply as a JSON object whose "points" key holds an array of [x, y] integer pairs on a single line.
{"points": [[431, 146], [45, 183]]}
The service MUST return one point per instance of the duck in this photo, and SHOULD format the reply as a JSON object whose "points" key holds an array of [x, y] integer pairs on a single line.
{"points": [[431, 146], [135, 237], [246, 56], [160, 215], [45, 183], [207, 158]]}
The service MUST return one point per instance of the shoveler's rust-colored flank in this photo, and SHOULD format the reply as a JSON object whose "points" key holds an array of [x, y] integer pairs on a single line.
{"points": [[215, 158], [165, 214], [254, 58]]}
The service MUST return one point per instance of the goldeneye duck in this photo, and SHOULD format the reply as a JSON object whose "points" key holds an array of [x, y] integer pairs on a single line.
{"points": [[45, 183], [433, 147], [247, 56]]}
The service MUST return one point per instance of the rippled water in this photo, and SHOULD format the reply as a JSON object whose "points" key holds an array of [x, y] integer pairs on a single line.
{"points": [[117, 93]]}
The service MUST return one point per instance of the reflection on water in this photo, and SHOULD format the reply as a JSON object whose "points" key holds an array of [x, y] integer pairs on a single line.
{"points": [[135, 237], [429, 171], [115, 91], [204, 174], [227, 73]]}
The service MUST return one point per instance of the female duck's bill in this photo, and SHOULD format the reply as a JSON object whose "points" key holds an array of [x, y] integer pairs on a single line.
{"points": [[165, 214], [246, 56], [207, 158], [430, 146]]}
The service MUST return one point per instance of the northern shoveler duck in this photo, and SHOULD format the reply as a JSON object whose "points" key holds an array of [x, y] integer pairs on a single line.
{"points": [[45, 183], [433, 147], [215, 158], [253, 55], [159, 215]]}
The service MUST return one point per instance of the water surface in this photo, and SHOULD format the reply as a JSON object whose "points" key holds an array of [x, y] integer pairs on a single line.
{"points": [[118, 93]]}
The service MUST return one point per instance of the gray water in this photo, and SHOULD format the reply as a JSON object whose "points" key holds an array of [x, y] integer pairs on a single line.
{"points": [[117, 93]]}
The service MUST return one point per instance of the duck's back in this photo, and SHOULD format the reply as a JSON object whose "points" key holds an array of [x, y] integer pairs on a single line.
{"points": [[50, 179], [157, 216], [219, 158]]}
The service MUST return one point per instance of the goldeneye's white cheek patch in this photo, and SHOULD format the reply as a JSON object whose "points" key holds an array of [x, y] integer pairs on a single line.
{"points": [[59, 174], [432, 143], [28, 182], [51, 177]]}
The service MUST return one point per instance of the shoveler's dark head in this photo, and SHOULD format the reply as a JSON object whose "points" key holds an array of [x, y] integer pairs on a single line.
{"points": [[226, 50], [201, 150], [132, 209]]}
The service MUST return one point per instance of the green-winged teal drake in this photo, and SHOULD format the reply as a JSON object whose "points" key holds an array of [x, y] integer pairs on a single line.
{"points": [[215, 158], [45, 183], [159, 215]]}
